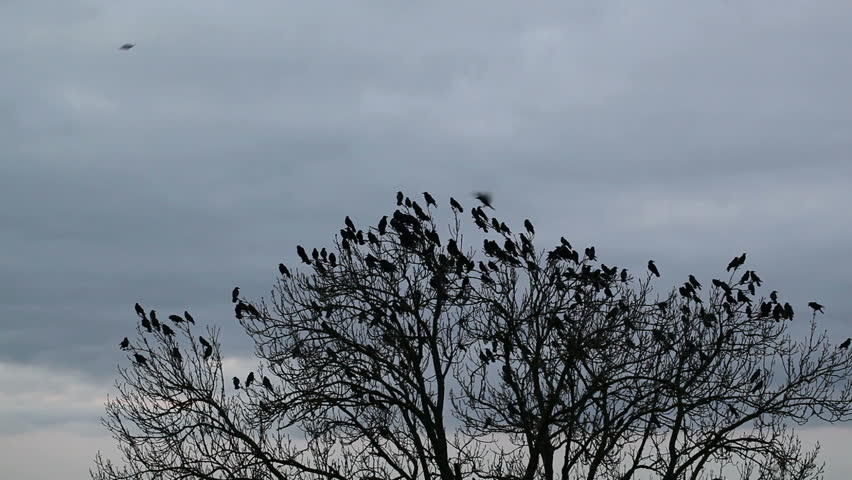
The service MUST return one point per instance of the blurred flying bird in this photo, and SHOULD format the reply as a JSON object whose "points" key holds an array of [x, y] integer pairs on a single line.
{"points": [[485, 198]]}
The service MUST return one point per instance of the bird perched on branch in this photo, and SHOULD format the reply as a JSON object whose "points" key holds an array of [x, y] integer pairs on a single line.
{"points": [[817, 307], [653, 268]]}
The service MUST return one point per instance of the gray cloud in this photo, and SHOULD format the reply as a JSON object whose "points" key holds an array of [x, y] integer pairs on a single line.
{"points": [[196, 161]]}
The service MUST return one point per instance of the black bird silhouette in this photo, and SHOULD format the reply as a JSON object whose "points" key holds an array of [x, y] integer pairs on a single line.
{"points": [[429, 200], [236, 383], [765, 309], [139, 359], [175, 318], [176, 354], [788, 310], [383, 225], [456, 205], [529, 226], [124, 343], [324, 254], [694, 282], [754, 377], [267, 383], [283, 270], [845, 343], [235, 294], [139, 310], [332, 259], [203, 342], [188, 317], [208, 350], [127, 46], [249, 379], [624, 275], [155, 322], [774, 296], [817, 307], [387, 266], [315, 254], [757, 387], [146, 324], [653, 268], [253, 311], [485, 198], [303, 254], [399, 197], [349, 224], [167, 331], [590, 252], [737, 262]]}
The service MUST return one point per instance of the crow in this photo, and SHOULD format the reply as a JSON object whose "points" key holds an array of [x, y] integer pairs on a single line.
{"points": [[624, 275], [590, 252], [529, 226], [154, 320], [175, 318], [429, 200], [383, 225], [253, 311], [208, 350], [236, 383], [139, 310], [234, 294], [146, 324], [694, 282], [176, 354], [817, 307], [332, 259], [485, 198], [757, 387], [754, 377], [127, 46], [203, 342], [774, 296], [399, 197], [249, 379], [283, 270], [349, 224], [267, 383], [188, 317], [139, 359], [315, 254], [167, 331], [302, 254], [788, 310], [454, 204], [845, 343], [653, 268], [124, 343], [387, 266]]}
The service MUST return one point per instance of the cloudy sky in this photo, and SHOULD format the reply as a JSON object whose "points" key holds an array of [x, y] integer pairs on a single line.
{"points": [[686, 132]]}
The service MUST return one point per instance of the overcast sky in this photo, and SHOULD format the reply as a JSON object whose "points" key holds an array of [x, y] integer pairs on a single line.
{"points": [[686, 132]]}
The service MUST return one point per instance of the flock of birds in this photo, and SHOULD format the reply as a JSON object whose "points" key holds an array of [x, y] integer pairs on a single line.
{"points": [[318, 258]]}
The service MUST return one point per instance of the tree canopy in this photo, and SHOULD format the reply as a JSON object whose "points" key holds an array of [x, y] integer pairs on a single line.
{"points": [[402, 351]]}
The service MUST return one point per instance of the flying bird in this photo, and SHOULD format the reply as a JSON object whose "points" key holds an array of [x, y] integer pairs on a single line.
{"points": [[124, 343], [653, 268], [235, 294], [127, 46], [429, 200], [485, 198], [817, 307]]}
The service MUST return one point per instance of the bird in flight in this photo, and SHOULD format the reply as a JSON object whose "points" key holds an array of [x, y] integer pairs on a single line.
{"points": [[127, 46], [485, 198]]}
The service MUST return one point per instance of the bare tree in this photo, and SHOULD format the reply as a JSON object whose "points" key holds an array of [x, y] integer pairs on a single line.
{"points": [[400, 355]]}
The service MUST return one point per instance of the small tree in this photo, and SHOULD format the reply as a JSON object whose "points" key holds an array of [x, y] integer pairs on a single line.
{"points": [[400, 355]]}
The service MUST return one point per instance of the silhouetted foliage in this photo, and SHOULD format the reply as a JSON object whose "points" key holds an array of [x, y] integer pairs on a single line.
{"points": [[408, 355]]}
